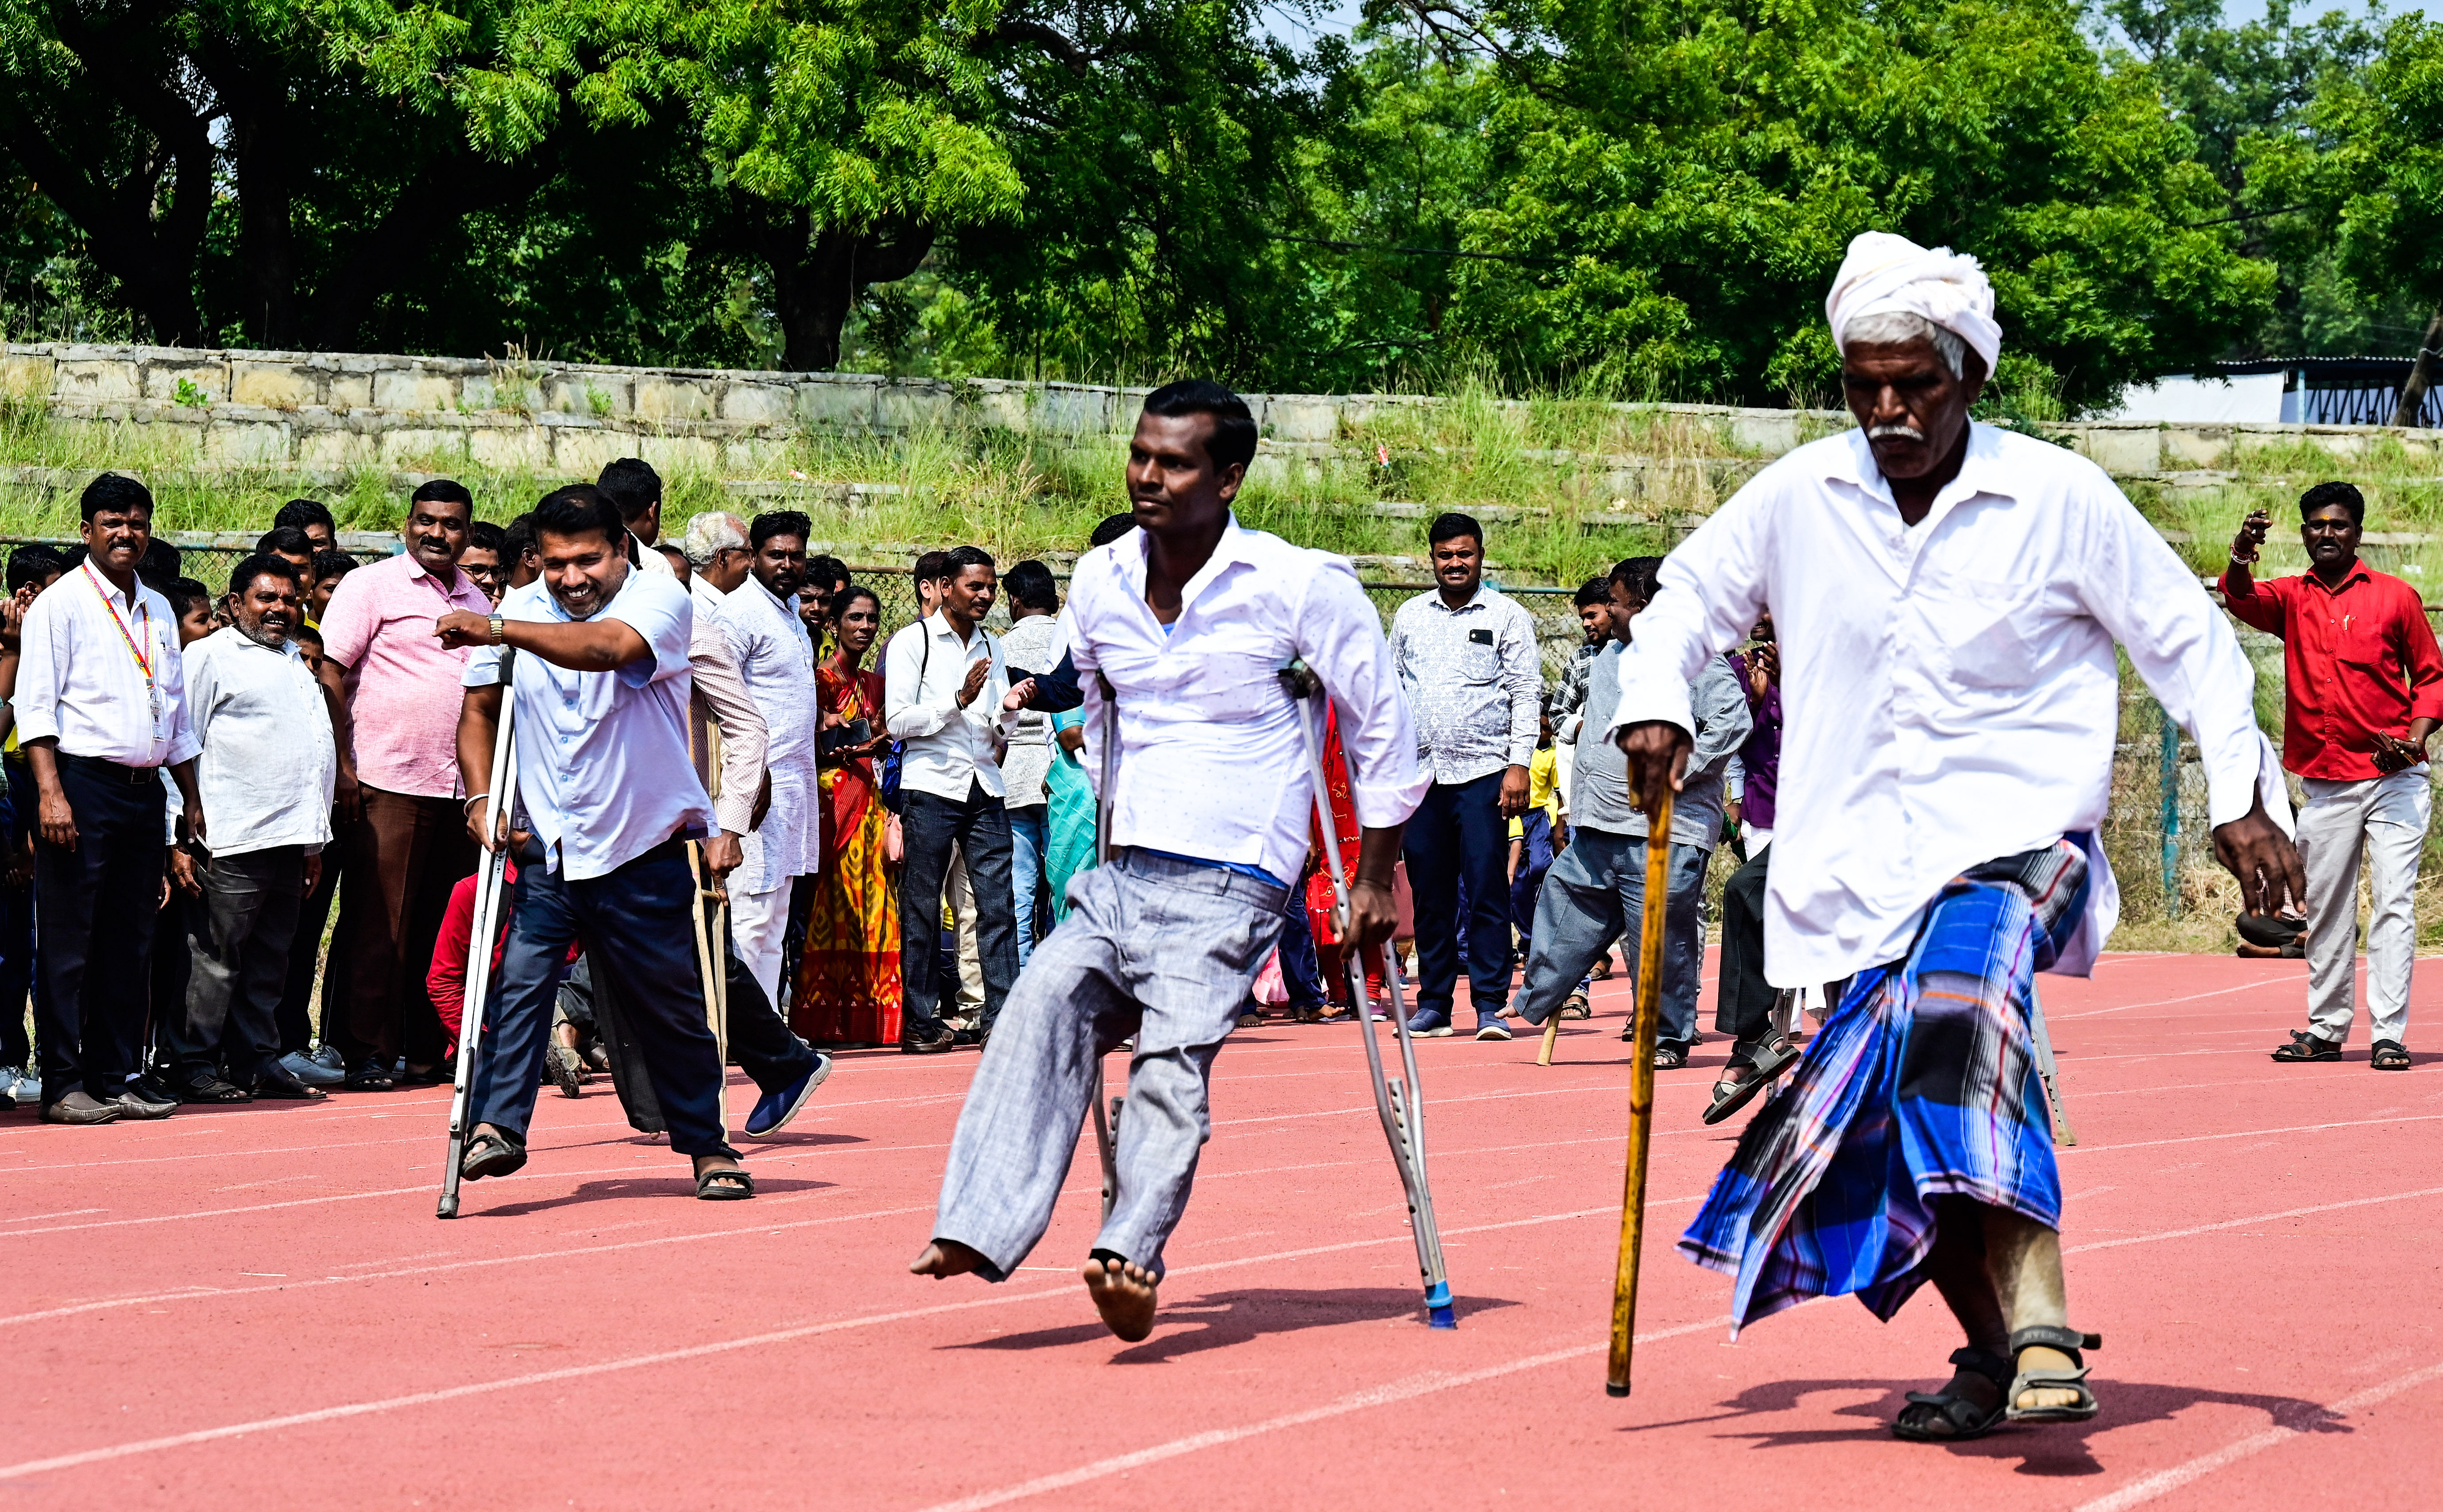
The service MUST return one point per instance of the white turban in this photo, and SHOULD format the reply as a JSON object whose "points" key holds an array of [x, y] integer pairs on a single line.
{"points": [[1884, 273]]}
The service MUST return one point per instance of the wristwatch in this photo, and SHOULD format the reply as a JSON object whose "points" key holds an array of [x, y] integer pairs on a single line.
{"points": [[500, 630]]}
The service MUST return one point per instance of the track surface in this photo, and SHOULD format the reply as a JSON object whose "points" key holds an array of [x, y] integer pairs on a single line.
{"points": [[225, 1306]]}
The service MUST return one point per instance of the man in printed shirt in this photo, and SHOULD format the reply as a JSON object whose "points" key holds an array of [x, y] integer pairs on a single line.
{"points": [[1186, 622], [2364, 692], [1468, 663], [1948, 594]]}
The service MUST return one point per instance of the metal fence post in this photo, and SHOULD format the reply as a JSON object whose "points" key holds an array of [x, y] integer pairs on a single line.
{"points": [[2171, 813]]}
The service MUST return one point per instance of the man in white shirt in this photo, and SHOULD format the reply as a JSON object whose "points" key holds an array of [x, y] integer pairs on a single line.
{"points": [[944, 684], [1947, 595], [102, 706], [1178, 629], [266, 771], [1029, 648], [608, 799], [759, 619]]}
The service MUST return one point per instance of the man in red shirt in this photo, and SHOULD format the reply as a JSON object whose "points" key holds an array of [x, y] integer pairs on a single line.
{"points": [[2365, 693]]}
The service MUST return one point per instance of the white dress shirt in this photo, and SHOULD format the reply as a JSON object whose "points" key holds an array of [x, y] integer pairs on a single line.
{"points": [[1211, 763], [603, 774], [777, 660], [945, 748], [80, 680], [1028, 650], [719, 701], [1948, 690], [269, 762], [1474, 678]]}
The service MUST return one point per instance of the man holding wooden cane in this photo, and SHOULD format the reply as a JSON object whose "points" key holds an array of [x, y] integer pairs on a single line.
{"points": [[1948, 594]]}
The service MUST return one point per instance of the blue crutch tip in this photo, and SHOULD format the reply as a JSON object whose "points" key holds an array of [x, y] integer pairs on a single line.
{"points": [[1441, 1317]]}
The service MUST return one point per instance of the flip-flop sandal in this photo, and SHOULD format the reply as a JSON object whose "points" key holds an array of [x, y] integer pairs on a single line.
{"points": [[1967, 1420], [491, 1155], [2390, 1055], [2304, 1046], [1729, 1096], [1669, 1057], [2069, 1342], [215, 1090], [1577, 1008], [726, 1184]]}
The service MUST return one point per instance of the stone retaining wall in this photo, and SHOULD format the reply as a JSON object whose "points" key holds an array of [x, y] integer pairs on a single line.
{"points": [[328, 413]]}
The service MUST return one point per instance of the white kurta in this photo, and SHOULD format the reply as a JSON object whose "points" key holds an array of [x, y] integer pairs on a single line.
{"points": [[778, 663], [1948, 689]]}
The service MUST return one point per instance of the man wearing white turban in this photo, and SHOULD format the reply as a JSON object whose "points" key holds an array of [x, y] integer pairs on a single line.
{"points": [[1948, 594]]}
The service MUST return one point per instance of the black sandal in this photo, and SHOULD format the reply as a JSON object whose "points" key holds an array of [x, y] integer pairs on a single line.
{"points": [[491, 1155], [1666, 1056], [2390, 1055], [2304, 1046], [2069, 1342], [724, 1183], [1967, 1420], [1729, 1096]]}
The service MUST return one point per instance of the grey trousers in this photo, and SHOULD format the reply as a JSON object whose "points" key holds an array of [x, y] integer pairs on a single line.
{"points": [[1165, 950], [2383, 821], [239, 933], [1595, 894]]}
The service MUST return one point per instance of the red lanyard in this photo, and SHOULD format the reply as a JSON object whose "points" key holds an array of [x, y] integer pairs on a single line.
{"points": [[142, 609]]}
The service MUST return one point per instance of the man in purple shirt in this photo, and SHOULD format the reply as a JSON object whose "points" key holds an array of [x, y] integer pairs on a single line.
{"points": [[1744, 1008]]}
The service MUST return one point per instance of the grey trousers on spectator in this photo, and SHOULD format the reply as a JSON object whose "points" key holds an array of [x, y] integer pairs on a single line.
{"points": [[1595, 894], [239, 933], [2384, 819], [1161, 950]]}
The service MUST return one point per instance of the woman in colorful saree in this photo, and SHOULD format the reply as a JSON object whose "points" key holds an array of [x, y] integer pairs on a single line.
{"points": [[847, 971]]}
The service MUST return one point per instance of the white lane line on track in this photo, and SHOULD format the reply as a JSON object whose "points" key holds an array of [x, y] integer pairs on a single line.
{"points": [[2248, 1134], [1402, 1391], [2290, 1422], [782, 1336], [2164, 1003], [2260, 1218]]}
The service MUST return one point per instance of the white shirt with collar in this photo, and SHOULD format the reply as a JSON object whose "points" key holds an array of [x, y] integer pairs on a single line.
{"points": [[946, 749], [1211, 763], [719, 696], [269, 762], [1948, 690], [777, 660], [1475, 681], [603, 768], [81, 681]]}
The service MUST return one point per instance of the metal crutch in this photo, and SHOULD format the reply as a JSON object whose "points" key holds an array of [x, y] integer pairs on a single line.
{"points": [[1106, 1122], [2062, 1132], [1396, 1099], [489, 874]]}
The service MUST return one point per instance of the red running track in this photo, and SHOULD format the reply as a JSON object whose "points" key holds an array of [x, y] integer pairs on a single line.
{"points": [[226, 1307]]}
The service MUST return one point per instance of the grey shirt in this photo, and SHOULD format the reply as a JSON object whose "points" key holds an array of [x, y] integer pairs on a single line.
{"points": [[1599, 800]]}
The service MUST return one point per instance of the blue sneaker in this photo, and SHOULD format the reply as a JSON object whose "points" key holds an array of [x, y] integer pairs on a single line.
{"points": [[1489, 1027], [313, 1070], [1430, 1023], [774, 1109]]}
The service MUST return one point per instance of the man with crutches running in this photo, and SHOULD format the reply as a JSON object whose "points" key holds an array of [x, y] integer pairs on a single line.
{"points": [[605, 786], [1187, 620]]}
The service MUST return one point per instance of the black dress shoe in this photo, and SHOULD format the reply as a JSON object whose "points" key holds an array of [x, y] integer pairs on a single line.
{"points": [[279, 1086], [942, 1039]]}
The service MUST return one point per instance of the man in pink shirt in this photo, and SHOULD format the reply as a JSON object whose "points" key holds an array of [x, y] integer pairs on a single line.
{"points": [[407, 846]]}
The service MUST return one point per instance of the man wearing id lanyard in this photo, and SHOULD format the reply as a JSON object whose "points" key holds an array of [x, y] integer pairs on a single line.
{"points": [[102, 706]]}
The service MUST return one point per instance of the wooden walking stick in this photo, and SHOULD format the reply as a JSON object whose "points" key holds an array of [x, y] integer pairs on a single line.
{"points": [[1552, 1033], [1652, 914]]}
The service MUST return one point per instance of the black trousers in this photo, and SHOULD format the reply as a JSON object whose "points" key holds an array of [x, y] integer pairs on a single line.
{"points": [[1743, 1009], [759, 1041], [1458, 834], [304, 954], [100, 900], [237, 942], [931, 826]]}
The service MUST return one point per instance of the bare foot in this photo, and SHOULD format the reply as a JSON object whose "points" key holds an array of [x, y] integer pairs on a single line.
{"points": [[946, 1257], [1123, 1291]]}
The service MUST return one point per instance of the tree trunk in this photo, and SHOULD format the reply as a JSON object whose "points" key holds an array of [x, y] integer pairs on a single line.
{"points": [[428, 209], [259, 138], [2422, 374], [818, 276]]}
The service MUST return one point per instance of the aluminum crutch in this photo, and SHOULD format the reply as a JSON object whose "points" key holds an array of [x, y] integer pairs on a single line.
{"points": [[2045, 1068], [488, 883], [1397, 1100], [1106, 1121]]}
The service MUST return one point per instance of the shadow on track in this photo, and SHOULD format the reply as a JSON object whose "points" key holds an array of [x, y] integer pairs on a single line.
{"points": [[1220, 1319], [628, 1189], [2056, 1448]]}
